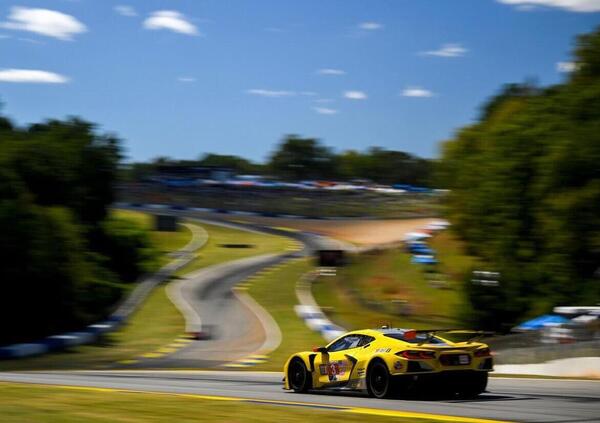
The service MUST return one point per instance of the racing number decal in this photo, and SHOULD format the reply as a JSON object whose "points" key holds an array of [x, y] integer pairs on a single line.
{"points": [[333, 369]]}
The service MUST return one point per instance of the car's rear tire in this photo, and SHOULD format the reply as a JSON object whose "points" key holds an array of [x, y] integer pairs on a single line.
{"points": [[379, 380], [473, 385], [299, 378]]}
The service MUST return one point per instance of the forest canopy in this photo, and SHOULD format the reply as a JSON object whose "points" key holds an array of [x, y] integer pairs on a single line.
{"points": [[60, 262], [525, 183]]}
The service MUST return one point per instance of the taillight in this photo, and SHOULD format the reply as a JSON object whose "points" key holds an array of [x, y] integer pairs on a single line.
{"points": [[483, 352], [416, 355]]}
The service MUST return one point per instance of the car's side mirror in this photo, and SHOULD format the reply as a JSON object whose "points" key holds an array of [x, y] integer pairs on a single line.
{"points": [[322, 350]]}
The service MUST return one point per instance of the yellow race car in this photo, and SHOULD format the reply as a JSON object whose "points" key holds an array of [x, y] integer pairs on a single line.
{"points": [[389, 362]]}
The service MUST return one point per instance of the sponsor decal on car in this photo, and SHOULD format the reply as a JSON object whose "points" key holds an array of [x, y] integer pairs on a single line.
{"points": [[333, 369], [383, 350]]}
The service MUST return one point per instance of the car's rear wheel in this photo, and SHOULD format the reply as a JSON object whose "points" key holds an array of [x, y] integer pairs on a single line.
{"points": [[473, 385], [298, 376], [379, 381]]}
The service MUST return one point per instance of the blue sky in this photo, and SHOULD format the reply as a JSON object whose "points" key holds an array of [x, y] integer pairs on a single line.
{"points": [[180, 78]]}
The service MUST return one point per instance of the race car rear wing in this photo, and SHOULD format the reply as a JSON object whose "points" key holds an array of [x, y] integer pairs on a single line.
{"points": [[476, 334]]}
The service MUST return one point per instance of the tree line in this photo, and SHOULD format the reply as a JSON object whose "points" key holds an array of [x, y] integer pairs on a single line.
{"points": [[64, 259], [296, 158], [525, 197]]}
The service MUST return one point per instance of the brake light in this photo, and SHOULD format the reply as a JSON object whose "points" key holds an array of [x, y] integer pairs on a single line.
{"points": [[483, 352], [416, 355]]}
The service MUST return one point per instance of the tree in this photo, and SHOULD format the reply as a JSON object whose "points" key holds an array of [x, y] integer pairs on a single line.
{"points": [[239, 164], [66, 163], [61, 260], [384, 166], [525, 193], [352, 164], [301, 158]]}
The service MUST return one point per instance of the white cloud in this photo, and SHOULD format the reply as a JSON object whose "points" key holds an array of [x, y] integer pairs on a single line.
{"points": [[355, 95], [324, 100], [170, 20], [270, 93], [325, 111], [125, 10], [370, 26], [330, 71], [44, 22], [31, 76], [525, 7], [571, 5], [566, 67], [29, 40], [416, 92], [186, 79], [447, 50]]}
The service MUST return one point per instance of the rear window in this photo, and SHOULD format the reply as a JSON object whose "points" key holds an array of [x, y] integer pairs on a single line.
{"points": [[419, 339]]}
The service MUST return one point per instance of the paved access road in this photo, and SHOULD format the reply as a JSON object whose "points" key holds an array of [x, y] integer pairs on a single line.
{"points": [[508, 399]]}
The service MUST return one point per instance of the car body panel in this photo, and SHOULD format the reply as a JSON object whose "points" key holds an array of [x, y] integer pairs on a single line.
{"points": [[347, 367]]}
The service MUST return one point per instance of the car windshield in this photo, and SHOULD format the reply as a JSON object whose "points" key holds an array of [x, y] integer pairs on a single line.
{"points": [[346, 343], [419, 339]]}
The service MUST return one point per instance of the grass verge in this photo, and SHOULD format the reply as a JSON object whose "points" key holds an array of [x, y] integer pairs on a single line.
{"points": [[275, 291], [454, 262], [40, 403], [384, 287], [227, 244]]}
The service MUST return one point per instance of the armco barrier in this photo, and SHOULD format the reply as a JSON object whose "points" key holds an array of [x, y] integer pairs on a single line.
{"points": [[23, 350]]}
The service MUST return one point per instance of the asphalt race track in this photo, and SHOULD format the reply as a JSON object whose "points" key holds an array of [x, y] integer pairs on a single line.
{"points": [[508, 399], [235, 331]]}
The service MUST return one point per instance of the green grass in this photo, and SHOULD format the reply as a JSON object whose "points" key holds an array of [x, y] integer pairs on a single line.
{"points": [[36, 403], [163, 242], [214, 252], [388, 279], [453, 260], [157, 322], [275, 291]]}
